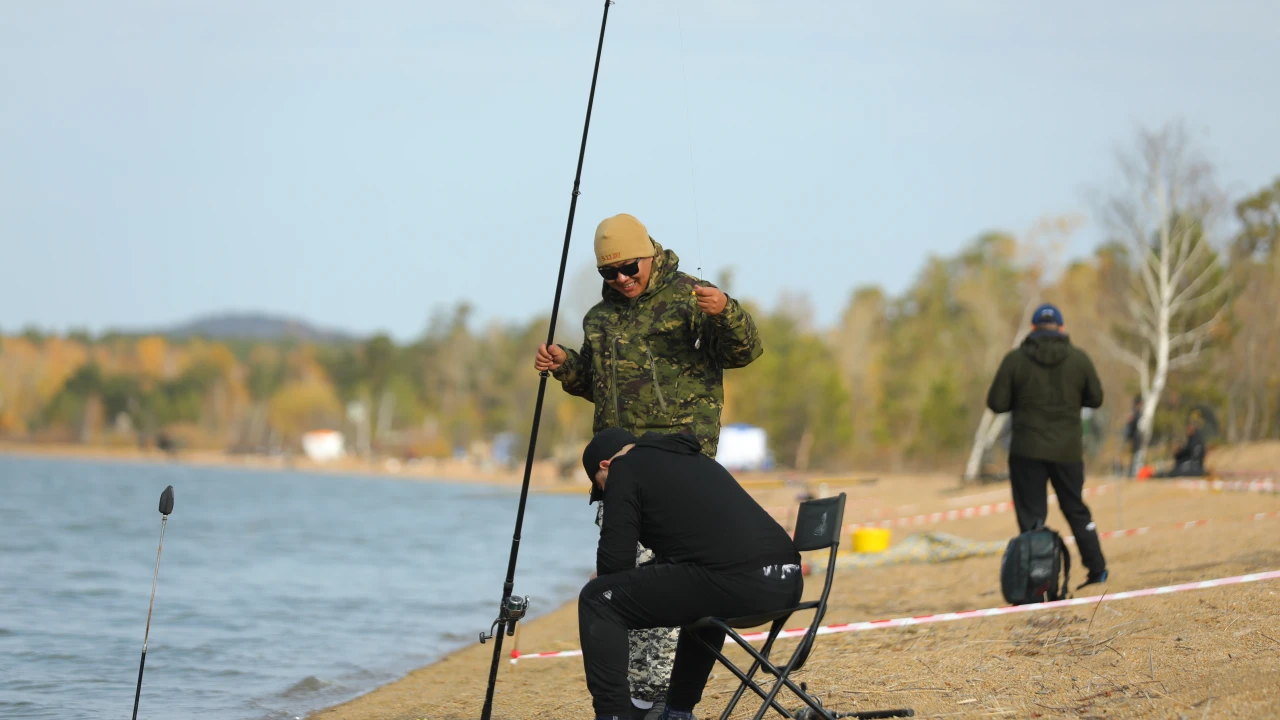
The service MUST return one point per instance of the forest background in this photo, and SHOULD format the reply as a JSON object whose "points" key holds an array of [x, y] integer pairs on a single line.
{"points": [[1178, 307]]}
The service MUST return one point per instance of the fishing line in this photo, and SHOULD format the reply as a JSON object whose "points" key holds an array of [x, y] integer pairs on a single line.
{"points": [[693, 181]]}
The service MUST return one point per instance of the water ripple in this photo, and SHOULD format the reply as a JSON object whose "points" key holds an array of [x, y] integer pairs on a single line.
{"points": [[278, 593]]}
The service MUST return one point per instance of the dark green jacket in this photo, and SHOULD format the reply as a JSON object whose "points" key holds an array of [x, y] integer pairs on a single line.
{"points": [[1044, 383], [656, 363]]}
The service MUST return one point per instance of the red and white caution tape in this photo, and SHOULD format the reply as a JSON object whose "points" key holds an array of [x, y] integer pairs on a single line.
{"points": [[517, 656], [876, 510], [1264, 485], [967, 614], [975, 511], [1128, 532], [882, 511], [1189, 524]]}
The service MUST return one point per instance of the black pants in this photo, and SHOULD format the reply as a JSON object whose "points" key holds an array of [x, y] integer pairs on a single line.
{"points": [[1186, 468], [669, 595], [1030, 500]]}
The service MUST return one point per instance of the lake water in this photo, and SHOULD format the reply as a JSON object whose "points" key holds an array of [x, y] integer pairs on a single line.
{"points": [[279, 592]]}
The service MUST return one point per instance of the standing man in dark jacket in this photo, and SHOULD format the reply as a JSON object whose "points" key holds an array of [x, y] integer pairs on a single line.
{"points": [[722, 555], [1045, 383]]}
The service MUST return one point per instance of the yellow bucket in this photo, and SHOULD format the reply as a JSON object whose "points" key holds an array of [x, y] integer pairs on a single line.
{"points": [[870, 540]]}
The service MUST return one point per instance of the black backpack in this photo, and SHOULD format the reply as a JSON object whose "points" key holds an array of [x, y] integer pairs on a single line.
{"points": [[1030, 567]]}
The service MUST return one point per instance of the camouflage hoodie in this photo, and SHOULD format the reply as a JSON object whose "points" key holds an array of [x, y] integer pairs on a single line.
{"points": [[656, 363]]}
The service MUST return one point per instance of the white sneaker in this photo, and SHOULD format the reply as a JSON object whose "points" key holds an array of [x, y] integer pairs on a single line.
{"points": [[655, 712]]}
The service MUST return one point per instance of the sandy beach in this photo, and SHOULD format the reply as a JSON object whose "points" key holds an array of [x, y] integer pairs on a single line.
{"points": [[1203, 653]]}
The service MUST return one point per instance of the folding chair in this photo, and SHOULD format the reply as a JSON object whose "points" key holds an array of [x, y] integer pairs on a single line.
{"points": [[818, 526]]}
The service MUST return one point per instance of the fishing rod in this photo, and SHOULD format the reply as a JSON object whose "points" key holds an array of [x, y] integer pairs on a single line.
{"points": [[512, 608], [166, 507]]}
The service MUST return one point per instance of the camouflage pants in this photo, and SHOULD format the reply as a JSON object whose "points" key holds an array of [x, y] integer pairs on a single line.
{"points": [[652, 651]]}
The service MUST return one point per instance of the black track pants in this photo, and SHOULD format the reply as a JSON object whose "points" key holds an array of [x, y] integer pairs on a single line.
{"points": [[1030, 500], [669, 595]]}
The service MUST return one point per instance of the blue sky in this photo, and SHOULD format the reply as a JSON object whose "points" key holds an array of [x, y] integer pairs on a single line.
{"points": [[357, 164]]}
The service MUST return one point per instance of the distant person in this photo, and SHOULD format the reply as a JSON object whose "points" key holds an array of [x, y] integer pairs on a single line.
{"points": [[653, 357], [1044, 383], [725, 556], [1133, 435], [1188, 459]]}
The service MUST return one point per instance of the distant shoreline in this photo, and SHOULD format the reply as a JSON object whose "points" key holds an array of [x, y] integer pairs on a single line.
{"points": [[541, 478]]}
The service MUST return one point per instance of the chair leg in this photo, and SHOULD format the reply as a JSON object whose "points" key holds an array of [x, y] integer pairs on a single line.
{"points": [[743, 677], [800, 693], [755, 665], [784, 679], [769, 699]]}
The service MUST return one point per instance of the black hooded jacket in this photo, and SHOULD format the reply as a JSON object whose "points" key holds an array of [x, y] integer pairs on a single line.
{"points": [[670, 497], [1044, 383], [1192, 450]]}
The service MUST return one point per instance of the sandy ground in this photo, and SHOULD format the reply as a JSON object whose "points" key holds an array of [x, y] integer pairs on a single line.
{"points": [[1210, 653], [1245, 459]]}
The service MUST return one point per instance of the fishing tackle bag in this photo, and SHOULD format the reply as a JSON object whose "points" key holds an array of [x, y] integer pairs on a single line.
{"points": [[1031, 565]]}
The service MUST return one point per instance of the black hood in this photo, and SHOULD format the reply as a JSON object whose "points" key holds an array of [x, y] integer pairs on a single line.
{"points": [[678, 443], [1046, 347]]}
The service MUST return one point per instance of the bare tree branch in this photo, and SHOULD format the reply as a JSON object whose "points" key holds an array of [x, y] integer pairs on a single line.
{"points": [[1163, 218], [1183, 234], [1148, 275], [1193, 287], [1186, 359], [1123, 354], [1197, 247], [1211, 295], [1198, 333], [1145, 325]]}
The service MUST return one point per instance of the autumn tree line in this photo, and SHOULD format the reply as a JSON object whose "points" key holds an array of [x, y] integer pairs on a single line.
{"points": [[1177, 308]]}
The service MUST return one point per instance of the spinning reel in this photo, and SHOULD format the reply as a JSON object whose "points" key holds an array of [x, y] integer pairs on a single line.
{"points": [[510, 611]]}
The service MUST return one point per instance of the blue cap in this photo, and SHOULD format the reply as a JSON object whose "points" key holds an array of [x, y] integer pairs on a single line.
{"points": [[1045, 314]]}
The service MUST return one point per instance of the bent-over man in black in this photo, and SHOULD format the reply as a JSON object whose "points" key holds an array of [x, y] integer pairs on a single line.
{"points": [[719, 554]]}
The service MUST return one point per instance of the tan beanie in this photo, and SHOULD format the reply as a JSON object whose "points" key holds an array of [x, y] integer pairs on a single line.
{"points": [[622, 237]]}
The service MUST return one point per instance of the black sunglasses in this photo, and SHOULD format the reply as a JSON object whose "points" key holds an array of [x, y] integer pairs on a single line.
{"points": [[611, 273]]}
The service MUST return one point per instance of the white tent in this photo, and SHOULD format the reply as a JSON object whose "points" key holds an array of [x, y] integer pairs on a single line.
{"points": [[323, 445], [743, 447]]}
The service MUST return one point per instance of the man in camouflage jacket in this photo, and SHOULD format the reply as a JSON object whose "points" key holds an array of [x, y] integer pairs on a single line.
{"points": [[653, 357]]}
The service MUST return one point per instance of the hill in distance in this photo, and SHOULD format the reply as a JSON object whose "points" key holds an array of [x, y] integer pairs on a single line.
{"points": [[256, 326]]}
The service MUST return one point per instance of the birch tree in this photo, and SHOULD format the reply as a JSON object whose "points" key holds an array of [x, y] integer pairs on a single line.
{"points": [[1177, 292]]}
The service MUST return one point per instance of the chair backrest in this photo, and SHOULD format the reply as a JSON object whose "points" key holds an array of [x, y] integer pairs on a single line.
{"points": [[819, 522]]}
